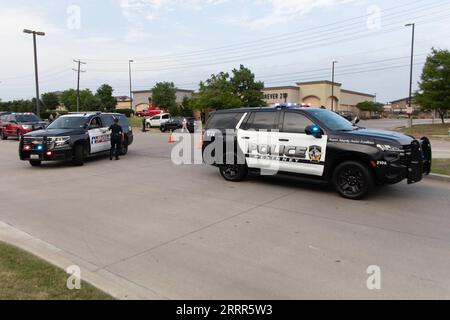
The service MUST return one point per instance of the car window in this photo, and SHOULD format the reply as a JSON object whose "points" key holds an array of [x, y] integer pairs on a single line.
{"points": [[68, 123], [27, 118], [124, 123], [95, 123], [107, 120], [227, 120], [295, 122], [166, 116], [266, 120], [332, 120]]}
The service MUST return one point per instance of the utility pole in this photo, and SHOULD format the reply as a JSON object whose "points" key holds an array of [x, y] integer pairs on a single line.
{"points": [[78, 70], [410, 120], [34, 33], [332, 86], [129, 74]]}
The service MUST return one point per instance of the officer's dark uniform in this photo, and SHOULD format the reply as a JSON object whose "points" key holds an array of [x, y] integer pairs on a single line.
{"points": [[116, 139]]}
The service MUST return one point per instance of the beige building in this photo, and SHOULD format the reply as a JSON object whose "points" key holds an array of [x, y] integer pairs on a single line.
{"points": [[317, 93], [142, 99], [123, 102]]}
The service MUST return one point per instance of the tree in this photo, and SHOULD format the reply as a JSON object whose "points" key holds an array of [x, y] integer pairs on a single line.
{"points": [[88, 102], [69, 99], [50, 100], [246, 88], [105, 98], [186, 109], [370, 106], [217, 93], [434, 87], [164, 96]]}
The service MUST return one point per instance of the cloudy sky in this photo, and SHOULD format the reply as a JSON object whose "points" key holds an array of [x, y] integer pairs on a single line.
{"points": [[184, 41]]}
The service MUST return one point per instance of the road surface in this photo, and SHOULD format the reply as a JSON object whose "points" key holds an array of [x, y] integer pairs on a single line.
{"points": [[182, 232]]}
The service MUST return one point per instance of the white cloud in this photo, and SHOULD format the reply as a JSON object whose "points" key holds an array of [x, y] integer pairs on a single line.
{"points": [[153, 9], [282, 11]]}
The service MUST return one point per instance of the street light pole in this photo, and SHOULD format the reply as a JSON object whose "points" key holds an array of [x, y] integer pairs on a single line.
{"points": [[332, 86], [34, 33], [129, 74], [410, 120]]}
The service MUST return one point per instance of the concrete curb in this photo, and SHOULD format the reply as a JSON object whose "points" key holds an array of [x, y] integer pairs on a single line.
{"points": [[116, 286], [438, 177]]}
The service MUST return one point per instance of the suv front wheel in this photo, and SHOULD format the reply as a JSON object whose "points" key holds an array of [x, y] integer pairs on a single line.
{"points": [[233, 172], [352, 180], [78, 155]]}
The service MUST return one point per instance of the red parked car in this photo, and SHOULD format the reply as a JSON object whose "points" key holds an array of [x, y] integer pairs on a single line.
{"points": [[17, 124], [150, 112]]}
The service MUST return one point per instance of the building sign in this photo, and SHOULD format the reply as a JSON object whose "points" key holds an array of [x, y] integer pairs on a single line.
{"points": [[275, 96]]}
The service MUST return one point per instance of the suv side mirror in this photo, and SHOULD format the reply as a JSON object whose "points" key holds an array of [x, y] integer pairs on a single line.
{"points": [[314, 130], [356, 120]]}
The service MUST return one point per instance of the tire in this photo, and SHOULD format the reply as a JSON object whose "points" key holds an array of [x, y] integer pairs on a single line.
{"points": [[162, 129], [353, 180], [35, 163], [4, 136], [234, 172], [78, 155], [19, 133], [148, 126], [124, 147]]}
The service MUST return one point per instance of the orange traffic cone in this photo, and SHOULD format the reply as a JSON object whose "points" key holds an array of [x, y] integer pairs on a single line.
{"points": [[171, 138]]}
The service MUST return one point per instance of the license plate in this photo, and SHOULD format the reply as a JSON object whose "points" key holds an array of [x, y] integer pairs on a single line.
{"points": [[34, 157]]}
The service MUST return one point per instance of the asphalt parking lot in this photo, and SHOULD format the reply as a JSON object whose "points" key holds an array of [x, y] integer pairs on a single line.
{"points": [[182, 232]]}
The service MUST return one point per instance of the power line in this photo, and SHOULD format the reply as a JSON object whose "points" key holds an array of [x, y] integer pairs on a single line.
{"points": [[244, 44], [287, 49]]}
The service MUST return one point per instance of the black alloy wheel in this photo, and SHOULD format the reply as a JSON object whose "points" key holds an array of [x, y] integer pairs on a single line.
{"points": [[353, 180]]}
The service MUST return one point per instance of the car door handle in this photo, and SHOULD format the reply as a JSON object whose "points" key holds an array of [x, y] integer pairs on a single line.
{"points": [[283, 140], [246, 138]]}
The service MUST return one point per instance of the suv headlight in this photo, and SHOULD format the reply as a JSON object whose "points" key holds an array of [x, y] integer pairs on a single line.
{"points": [[56, 142], [26, 127], [387, 147]]}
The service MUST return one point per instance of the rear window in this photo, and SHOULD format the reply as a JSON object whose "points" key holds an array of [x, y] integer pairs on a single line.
{"points": [[266, 120], [107, 120], [123, 122], [227, 120]]}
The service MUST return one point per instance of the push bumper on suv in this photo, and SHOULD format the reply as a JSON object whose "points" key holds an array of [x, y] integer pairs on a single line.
{"points": [[412, 163], [38, 149]]}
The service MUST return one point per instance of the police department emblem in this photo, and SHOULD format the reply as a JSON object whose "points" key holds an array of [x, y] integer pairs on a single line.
{"points": [[315, 153]]}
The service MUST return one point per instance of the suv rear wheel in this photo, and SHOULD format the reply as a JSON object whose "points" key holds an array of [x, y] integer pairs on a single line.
{"points": [[3, 135], [124, 147], [233, 172], [352, 180], [78, 155]]}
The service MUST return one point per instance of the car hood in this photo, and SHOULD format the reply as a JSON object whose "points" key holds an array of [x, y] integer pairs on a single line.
{"points": [[34, 123], [53, 133], [382, 135]]}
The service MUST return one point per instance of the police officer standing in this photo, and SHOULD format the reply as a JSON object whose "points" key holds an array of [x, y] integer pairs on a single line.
{"points": [[116, 139]]}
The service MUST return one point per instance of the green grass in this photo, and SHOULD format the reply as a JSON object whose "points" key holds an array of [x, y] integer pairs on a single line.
{"points": [[135, 122], [441, 166], [24, 276], [428, 129]]}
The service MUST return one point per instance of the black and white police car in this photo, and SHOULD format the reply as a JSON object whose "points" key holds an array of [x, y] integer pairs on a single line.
{"points": [[313, 143], [74, 137]]}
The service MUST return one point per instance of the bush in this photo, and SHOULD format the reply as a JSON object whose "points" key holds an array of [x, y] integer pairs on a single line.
{"points": [[126, 112]]}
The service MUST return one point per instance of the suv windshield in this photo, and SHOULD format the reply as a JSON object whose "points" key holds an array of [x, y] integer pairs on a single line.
{"points": [[27, 118], [68, 123], [332, 120]]}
